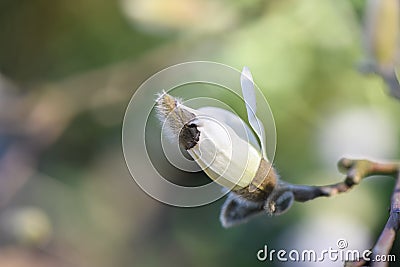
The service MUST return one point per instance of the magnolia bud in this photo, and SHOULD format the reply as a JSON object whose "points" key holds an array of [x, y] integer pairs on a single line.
{"points": [[224, 156], [382, 41], [226, 149], [382, 32]]}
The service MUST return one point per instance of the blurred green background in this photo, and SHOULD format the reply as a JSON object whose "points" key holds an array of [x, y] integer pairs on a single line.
{"points": [[67, 73]]}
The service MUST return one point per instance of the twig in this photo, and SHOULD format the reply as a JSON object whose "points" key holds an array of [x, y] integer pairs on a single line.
{"points": [[355, 171], [386, 239]]}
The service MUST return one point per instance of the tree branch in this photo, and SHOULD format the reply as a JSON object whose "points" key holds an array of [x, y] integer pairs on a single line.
{"points": [[386, 239], [355, 171]]}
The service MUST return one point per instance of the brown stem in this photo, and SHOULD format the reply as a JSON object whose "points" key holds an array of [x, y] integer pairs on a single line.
{"points": [[386, 239], [355, 171]]}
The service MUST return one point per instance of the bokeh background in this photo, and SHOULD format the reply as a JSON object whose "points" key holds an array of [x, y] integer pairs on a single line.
{"points": [[67, 72]]}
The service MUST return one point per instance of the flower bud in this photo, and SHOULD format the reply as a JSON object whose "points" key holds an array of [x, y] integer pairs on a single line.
{"points": [[382, 32], [227, 158], [382, 41], [226, 149]]}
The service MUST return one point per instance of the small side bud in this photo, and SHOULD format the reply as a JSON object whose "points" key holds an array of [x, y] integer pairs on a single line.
{"points": [[279, 202]]}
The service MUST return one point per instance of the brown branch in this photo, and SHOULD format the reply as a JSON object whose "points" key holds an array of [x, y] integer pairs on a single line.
{"points": [[386, 239], [355, 171]]}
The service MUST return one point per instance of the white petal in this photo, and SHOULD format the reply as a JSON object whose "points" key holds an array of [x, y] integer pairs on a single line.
{"points": [[224, 153], [249, 96], [235, 122]]}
